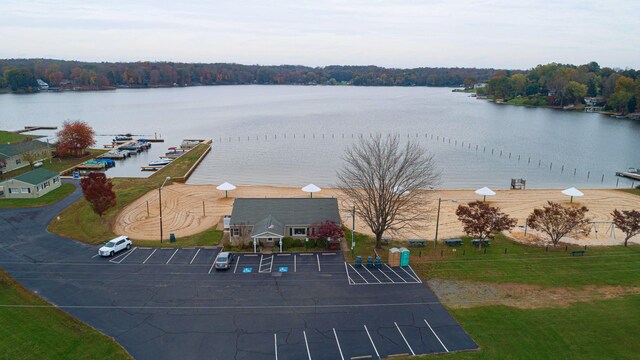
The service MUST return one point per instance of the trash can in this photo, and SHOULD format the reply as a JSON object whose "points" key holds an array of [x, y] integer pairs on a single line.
{"points": [[172, 238], [358, 261], [394, 257], [404, 256]]}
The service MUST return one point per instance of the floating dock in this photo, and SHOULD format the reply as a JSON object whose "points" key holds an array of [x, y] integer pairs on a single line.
{"points": [[629, 175]]}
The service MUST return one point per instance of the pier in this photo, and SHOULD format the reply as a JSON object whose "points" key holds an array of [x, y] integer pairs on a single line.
{"points": [[34, 128], [629, 175]]}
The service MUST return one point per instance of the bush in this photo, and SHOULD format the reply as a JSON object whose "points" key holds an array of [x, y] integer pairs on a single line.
{"points": [[289, 242], [321, 243]]}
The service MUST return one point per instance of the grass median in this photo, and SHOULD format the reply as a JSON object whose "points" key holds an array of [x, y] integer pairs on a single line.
{"points": [[30, 328], [79, 222]]}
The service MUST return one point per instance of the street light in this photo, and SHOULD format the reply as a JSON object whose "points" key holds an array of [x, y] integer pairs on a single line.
{"points": [[440, 200], [160, 203], [352, 215]]}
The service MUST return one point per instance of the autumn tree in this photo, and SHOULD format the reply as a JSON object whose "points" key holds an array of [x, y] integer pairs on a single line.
{"points": [[628, 221], [327, 229], [98, 190], [74, 138], [387, 182], [556, 221], [482, 220]]}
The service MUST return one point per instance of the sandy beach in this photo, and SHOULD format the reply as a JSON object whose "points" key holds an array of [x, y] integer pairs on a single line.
{"points": [[190, 209]]}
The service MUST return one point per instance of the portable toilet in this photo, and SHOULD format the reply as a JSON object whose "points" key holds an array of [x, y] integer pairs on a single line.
{"points": [[394, 257], [404, 256]]}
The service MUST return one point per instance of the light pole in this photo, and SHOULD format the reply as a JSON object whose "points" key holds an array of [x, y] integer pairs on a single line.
{"points": [[440, 200], [352, 215], [160, 203]]}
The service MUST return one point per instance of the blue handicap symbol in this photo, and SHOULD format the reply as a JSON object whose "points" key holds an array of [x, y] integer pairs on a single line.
{"points": [[247, 269], [283, 269]]}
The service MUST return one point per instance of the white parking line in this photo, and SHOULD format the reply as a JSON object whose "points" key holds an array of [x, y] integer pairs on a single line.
{"points": [[153, 252], [125, 256], [370, 339], [172, 255], [318, 257], [275, 344], [338, 342], [294, 264], [364, 267], [237, 262], [194, 256], [411, 276], [414, 273], [211, 268], [436, 335], [306, 343], [398, 275], [354, 269], [326, 254], [346, 270], [387, 276], [95, 255], [403, 338], [271, 266]]}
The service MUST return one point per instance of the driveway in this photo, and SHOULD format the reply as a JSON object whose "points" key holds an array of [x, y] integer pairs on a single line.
{"points": [[170, 303]]}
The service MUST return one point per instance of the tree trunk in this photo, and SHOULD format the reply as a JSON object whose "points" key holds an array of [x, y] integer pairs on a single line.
{"points": [[626, 239], [379, 241]]}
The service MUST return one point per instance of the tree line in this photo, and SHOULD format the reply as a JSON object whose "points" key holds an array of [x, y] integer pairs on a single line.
{"points": [[20, 74], [563, 85]]}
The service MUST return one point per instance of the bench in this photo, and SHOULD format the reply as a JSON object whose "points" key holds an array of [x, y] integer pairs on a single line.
{"points": [[386, 240], [476, 242], [578, 252], [417, 242], [453, 242]]}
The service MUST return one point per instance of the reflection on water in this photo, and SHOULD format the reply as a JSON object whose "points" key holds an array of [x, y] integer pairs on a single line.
{"points": [[550, 144]]}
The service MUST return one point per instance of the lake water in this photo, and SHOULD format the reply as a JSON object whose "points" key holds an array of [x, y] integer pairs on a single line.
{"points": [[295, 135]]}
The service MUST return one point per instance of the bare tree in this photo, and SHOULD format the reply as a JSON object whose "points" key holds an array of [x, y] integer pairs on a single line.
{"points": [[388, 183], [482, 220], [556, 220], [627, 221]]}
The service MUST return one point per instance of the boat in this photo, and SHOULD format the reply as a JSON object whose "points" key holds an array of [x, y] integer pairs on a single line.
{"points": [[161, 162], [123, 138]]}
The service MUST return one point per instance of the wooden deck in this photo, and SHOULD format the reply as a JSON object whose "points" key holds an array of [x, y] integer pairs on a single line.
{"points": [[629, 175]]}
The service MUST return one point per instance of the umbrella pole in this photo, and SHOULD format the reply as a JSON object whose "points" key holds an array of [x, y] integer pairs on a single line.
{"points": [[311, 195], [485, 199], [226, 193], [571, 199]]}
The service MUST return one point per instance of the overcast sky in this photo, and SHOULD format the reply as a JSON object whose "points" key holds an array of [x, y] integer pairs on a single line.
{"points": [[394, 33]]}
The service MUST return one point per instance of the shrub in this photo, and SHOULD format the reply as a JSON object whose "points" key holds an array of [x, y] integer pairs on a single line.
{"points": [[321, 243], [289, 242]]}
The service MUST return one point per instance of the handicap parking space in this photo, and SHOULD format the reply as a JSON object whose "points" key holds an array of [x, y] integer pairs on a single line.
{"points": [[246, 263], [285, 263]]}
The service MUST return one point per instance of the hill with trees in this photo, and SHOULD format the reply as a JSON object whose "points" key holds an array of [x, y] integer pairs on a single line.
{"points": [[20, 75], [565, 85]]}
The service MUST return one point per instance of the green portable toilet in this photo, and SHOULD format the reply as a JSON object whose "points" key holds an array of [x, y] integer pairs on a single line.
{"points": [[404, 256]]}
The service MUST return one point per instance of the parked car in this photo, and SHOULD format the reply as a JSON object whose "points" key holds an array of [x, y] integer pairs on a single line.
{"points": [[113, 246], [223, 260]]}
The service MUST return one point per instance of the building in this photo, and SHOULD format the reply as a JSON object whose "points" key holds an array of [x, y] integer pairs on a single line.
{"points": [[42, 85], [14, 156], [479, 86], [267, 221], [32, 184]]}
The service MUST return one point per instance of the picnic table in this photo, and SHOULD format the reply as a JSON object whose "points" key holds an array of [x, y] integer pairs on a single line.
{"points": [[578, 252], [453, 242], [417, 242], [476, 242]]}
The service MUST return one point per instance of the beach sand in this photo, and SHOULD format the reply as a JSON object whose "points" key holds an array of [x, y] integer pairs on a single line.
{"points": [[190, 209]]}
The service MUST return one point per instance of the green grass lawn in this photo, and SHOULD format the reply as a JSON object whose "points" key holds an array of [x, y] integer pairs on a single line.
{"points": [[54, 196], [11, 137], [632, 191], [79, 222], [46, 332], [56, 164]]}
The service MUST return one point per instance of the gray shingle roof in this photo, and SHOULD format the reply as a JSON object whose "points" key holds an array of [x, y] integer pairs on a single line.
{"points": [[36, 176], [288, 211], [268, 224], [9, 150]]}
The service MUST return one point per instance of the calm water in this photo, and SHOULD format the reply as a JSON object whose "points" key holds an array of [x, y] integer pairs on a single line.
{"points": [[294, 135]]}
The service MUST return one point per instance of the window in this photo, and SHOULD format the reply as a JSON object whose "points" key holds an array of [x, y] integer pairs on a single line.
{"points": [[46, 184], [301, 231], [14, 190], [26, 190], [18, 161], [56, 179], [235, 232]]}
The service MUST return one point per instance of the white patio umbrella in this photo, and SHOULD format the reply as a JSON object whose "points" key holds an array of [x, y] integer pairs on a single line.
{"points": [[226, 187], [311, 189], [572, 192], [485, 191]]}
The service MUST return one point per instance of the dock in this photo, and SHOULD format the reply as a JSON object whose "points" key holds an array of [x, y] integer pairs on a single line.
{"points": [[151, 168], [34, 128], [629, 175]]}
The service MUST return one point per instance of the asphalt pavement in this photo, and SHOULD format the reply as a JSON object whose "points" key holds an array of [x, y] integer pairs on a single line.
{"points": [[170, 303]]}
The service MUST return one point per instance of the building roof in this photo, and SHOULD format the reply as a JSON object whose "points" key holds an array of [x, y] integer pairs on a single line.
{"points": [[287, 211], [37, 176], [9, 150], [268, 225]]}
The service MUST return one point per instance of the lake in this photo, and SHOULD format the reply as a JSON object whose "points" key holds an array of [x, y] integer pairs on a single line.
{"points": [[295, 135]]}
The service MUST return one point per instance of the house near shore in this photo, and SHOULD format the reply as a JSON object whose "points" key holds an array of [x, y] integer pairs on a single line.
{"points": [[42, 85], [14, 156], [266, 221], [32, 184]]}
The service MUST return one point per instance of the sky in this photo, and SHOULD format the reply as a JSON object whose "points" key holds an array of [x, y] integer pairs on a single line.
{"points": [[508, 34]]}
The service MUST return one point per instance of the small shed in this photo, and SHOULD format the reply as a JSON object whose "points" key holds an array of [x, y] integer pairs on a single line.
{"points": [[32, 184]]}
